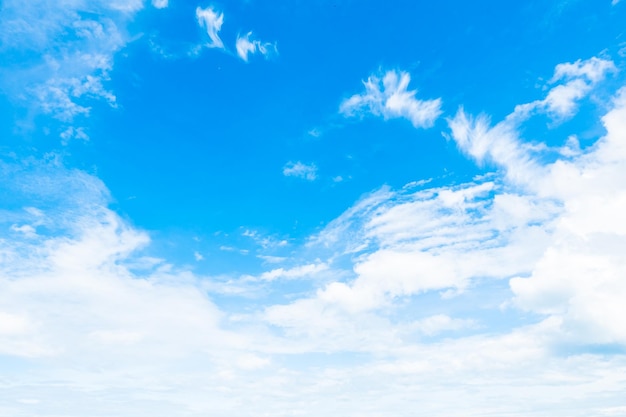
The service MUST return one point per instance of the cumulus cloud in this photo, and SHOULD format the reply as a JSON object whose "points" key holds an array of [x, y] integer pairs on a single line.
{"points": [[83, 295], [553, 230], [577, 281], [300, 170], [509, 282], [247, 46], [390, 98], [211, 20]]}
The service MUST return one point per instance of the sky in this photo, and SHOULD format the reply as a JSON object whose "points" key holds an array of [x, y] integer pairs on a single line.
{"points": [[304, 208]]}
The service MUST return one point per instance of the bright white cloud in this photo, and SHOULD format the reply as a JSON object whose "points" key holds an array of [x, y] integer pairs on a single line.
{"points": [[553, 229], [91, 317], [390, 98], [299, 272], [247, 46], [211, 20], [160, 4], [579, 79], [578, 280], [300, 170]]}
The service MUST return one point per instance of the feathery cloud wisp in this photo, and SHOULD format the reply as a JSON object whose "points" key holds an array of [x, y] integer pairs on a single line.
{"points": [[211, 21], [300, 170], [247, 46], [160, 4], [390, 98]]}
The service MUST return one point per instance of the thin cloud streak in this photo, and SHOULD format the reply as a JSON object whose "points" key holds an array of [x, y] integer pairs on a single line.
{"points": [[390, 98]]}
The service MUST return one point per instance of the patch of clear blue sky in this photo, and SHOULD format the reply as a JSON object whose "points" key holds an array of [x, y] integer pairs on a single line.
{"points": [[197, 144]]}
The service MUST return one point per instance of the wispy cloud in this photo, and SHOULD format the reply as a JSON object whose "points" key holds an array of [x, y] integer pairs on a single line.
{"points": [[160, 4], [211, 20], [300, 170], [70, 53], [579, 79], [552, 230], [390, 98], [299, 272], [247, 46]]}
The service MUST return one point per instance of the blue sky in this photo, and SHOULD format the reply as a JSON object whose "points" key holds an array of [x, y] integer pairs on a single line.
{"points": [[295, 208]]}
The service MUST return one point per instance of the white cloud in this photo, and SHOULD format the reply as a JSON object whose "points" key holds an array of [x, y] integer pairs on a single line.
{"points": [[498, 145], [553, 228], [272, 259], [70, 52], [211, 21], [160, 4], [26, 229], [439, 323], [593, 69], [561, 101], [246, 46], [299, 272], [73, 133], [390, 98], [425, 297], [577, 281], [300, 170]]}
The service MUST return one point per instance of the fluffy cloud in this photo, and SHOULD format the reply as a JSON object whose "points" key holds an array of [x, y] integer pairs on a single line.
{"points": [[551, 229], [300, 170], [76, 291], [246, 46], [211, 21], [580, 77], [390, 98], [578, 280], [485, 292]]}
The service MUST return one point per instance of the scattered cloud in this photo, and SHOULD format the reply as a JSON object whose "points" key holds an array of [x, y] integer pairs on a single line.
{"points": [[560, 103], [246, 46], [160, 4], [211, 20], [315, 132], [272, 259], [67, 55], [390, 98], [300, 170], [299, 272], [263, 240], [543, 241], [73, 133], [552, 230]]}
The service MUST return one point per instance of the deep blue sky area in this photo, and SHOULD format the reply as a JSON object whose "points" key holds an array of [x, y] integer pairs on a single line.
{"points": [[205, 137]]}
